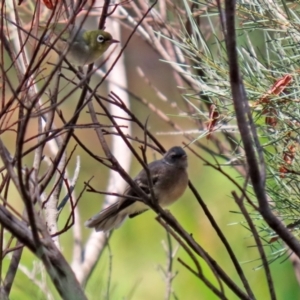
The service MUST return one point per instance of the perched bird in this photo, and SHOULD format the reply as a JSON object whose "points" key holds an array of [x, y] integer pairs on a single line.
{"points": [[169, 180], [86, 45]]}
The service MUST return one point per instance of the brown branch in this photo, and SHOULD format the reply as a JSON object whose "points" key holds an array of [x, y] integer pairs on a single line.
{"points": [[205, 280], [240, 203], [172, 222], [57, 267]]}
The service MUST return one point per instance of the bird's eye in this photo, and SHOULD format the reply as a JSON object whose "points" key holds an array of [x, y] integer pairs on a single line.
{"points": [[100, 38]]}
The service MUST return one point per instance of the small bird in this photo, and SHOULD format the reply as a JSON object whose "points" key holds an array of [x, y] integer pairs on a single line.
{"points": [[86, 45], [169, 180]]}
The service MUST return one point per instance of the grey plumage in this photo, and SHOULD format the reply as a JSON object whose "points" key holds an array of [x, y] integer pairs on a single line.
{"points": [[169, 179]]}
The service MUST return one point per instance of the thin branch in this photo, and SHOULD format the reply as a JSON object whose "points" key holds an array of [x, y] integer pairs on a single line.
{"points": [[240, 203]]}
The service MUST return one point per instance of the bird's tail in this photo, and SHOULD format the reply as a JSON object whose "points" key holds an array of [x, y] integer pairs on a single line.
{"points": [[110, 218]]}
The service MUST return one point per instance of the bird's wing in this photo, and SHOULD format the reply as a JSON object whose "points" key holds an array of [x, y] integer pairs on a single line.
{"points": [[141, 180], [69, 33]]}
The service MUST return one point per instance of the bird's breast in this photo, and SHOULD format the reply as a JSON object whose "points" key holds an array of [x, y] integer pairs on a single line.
{"points": [[172, 188]]}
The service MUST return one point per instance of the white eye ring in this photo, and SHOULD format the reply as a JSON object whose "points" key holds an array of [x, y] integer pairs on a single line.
{"points": [[100, 38]]}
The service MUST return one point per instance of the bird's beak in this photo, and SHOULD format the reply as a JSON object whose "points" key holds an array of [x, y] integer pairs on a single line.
{"points": [[112, 41], [184, 157]]}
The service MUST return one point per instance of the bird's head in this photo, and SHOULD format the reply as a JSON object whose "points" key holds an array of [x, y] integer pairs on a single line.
{"points": [[176, 156], [98, 40]]}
